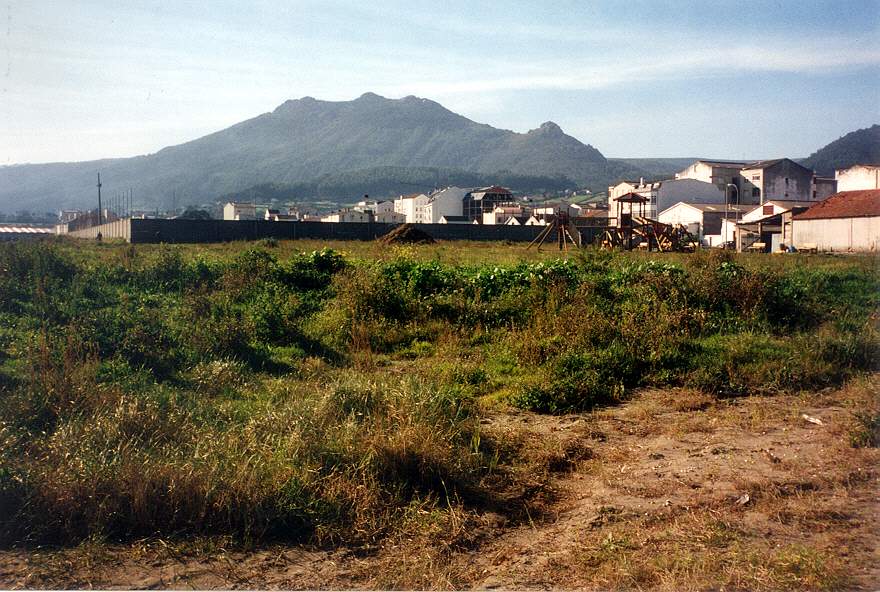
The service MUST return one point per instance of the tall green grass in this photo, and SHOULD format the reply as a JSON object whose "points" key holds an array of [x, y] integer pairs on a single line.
{"points": [[318, 397]]}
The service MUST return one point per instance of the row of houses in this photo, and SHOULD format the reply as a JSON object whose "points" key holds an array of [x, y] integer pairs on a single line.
{"points": [[732, 202], [722, 182], [450, 205], [721, 202]]}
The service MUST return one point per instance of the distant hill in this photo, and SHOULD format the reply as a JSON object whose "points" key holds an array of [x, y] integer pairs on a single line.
{"points": [[306, 140], [385, 182], [858, 147], [652, 168]]}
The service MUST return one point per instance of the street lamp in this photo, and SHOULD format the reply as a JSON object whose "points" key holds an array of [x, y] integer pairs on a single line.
{"points": [[727, 203]]}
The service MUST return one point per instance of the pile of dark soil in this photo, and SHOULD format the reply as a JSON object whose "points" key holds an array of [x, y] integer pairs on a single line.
{"points": [[408, 234]]}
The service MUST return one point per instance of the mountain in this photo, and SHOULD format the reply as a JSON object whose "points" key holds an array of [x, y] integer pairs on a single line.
{"points": [[655, 168], [305, 140], [858, 147], [384, 181]]}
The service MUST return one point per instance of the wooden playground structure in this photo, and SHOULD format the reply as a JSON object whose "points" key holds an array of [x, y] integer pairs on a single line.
{"points": [[565, 230], [639, 232]]}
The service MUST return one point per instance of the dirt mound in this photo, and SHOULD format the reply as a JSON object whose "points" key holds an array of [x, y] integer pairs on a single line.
{"points": [[406, 233]]}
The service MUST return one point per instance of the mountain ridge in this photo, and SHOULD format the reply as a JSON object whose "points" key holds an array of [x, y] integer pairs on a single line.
{"points": [[861, 146], [306, 139]]}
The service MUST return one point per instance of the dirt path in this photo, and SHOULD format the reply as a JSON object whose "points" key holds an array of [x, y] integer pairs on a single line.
{"points": [[672, 490]]}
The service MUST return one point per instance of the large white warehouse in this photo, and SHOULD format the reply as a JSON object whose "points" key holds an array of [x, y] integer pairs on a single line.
{"points": [[846, 221]]}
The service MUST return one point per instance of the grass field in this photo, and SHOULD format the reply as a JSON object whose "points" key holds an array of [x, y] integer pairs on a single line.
{"points": [[420, 405]]}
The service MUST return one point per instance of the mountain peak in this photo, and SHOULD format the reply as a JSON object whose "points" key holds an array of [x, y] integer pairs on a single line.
{"points": [[306, 139], [549, 127]]}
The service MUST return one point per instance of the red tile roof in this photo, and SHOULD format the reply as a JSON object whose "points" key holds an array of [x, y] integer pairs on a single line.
{"points": [[846, 204]]}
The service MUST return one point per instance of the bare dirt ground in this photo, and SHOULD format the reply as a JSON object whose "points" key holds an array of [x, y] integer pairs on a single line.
{"points": [[671, 490]]}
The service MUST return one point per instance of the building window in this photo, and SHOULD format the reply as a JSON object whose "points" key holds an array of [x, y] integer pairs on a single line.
{"points": [[786, 181], [756, 177], [767, 210]]}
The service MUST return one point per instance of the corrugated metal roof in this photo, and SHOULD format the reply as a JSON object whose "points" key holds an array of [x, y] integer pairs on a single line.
{"points": [[727, 164], [25, 229], [492, 189], [763, 164], [846, 204], [715, 207]]}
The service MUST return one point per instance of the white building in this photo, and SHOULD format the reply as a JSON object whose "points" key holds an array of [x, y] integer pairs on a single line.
{"points": [[289, 215], [383, 211], [846, 221], [771, 208], [348, 215], [720, 173], [661, 195], [239, 211], [859, 176], [445, 202], [525, 221], [500, 214], [548, 210], [769, 224], [412, 207], [711, 224]]}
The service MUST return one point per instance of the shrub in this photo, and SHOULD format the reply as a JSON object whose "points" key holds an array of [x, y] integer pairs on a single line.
{"points": [[582, 380]]}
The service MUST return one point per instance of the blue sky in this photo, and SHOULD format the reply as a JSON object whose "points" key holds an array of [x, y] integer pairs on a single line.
{"points": [[91, 79]]}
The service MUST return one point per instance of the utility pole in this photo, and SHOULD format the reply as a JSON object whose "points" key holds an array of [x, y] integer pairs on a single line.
{"points": [[100, 214]]}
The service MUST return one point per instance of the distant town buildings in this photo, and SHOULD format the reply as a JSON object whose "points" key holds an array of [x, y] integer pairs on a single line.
{"points": [[445, 202], [239, 211], [781, 178], [720, 173], [412, 207], [711, 224], [348, 215], [660, 195], [276, 215], [484, 199]]}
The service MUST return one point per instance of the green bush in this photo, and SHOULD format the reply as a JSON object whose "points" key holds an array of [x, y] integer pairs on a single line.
{"points": [[582, 380], [146, 391]]}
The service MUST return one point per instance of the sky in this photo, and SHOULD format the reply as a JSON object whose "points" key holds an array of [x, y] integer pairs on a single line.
{"points": [[82, 80]]}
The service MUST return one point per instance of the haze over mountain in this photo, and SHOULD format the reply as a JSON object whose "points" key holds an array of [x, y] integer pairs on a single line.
{"points": [[307, 139], [859, 147]]}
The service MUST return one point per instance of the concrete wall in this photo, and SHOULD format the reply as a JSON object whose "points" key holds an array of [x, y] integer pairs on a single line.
{"points": [[208, 231], [118, 229], [823, 188], [785, 180], [788, 180], [839, 234], [698, 170], [858, 177]]}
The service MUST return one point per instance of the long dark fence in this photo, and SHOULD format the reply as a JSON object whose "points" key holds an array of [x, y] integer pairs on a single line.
{"points": [[157, 230]]}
